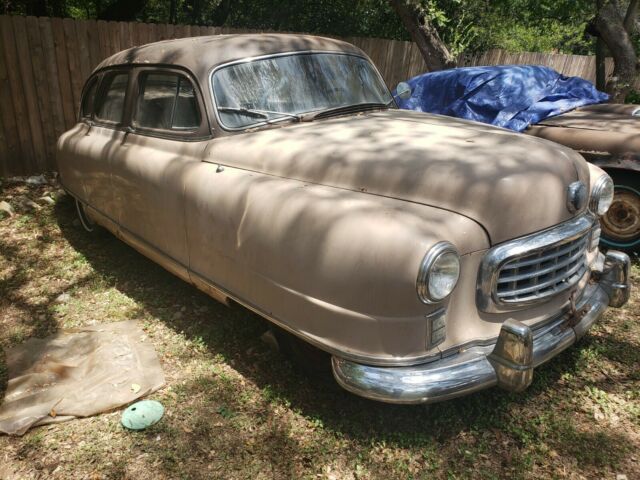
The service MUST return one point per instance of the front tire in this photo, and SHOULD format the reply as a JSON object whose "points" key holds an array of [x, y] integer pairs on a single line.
{"points": [[310, 360], [621, 224]]}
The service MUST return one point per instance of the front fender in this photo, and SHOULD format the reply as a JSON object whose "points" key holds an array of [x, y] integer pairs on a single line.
{"points": [[336, 267]]}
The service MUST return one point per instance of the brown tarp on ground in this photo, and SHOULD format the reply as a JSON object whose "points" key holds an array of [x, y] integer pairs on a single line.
{"points": [[77, 373]]}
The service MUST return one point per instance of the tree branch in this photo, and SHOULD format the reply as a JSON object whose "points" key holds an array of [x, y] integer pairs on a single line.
{"points": [[610, 26], [434, 51], [631, 16]]}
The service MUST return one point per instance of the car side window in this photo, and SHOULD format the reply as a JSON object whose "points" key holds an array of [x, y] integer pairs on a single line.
{"points": [[110, 106], [166, 101], [86, 108]]}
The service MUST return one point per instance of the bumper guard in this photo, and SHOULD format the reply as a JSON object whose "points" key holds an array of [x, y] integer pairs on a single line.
{"points": [[508, 363]]}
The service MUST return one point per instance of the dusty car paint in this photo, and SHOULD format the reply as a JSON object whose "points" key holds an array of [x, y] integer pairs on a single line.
{"points": [[322, 226], [607, 135]]}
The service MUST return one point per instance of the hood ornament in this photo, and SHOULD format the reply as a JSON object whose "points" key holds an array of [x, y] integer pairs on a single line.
{"points": [[576, 197]]}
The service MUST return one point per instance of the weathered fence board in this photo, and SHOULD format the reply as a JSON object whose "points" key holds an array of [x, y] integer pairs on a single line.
{"points": [[44, 62]]}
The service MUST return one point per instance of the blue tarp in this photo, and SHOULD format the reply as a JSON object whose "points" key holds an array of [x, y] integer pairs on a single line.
{"points": [[511, 96]]}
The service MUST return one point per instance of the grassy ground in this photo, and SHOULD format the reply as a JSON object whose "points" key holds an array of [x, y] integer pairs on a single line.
{"points": [[237, 409]]}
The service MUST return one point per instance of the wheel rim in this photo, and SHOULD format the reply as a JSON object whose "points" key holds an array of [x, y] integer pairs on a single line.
{"points": [[621, 224], [86, 222]]}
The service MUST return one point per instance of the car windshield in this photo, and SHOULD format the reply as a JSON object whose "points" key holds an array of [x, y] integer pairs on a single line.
{"points": [[283, 87]]}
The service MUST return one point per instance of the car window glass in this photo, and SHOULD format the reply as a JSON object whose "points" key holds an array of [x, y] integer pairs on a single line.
{"points": [[87, 100], [111, 105], [186, 114], [167, 101], [294, 84]]}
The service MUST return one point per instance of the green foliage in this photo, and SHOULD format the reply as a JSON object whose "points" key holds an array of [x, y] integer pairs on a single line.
{"points": [[633, 97], [373, 18], [547, 36], [464, 25], [515, 25]]}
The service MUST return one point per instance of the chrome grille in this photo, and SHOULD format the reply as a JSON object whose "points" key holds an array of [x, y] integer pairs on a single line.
{"points": [[542, 274], [534, 268]]}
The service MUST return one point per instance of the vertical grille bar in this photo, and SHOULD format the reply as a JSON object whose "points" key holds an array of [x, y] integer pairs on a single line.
{"points": [[531, 269], [531, 277]]}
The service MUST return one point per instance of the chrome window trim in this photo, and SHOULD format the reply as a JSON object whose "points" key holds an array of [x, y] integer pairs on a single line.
{"points": [[93, 80], [275, 55], [496, 257], [172, 132], [117, 70]]}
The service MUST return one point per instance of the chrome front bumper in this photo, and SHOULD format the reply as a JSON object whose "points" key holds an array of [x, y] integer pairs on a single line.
{"points": [[508, 363]]}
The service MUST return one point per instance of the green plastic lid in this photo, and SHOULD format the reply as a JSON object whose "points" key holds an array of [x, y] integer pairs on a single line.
{"points": [[142, 414]]}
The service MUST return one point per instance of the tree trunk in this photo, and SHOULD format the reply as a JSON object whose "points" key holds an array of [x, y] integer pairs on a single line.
{"points": [[37, 8], [173, 11], [611, 28], [221, 13], [434, 51], [601, 55], [630, 17]]}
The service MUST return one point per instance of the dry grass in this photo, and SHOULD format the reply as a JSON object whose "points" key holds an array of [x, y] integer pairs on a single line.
{"points": [[236, 409]]}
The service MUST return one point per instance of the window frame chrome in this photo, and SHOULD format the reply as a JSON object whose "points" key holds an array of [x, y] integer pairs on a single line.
{"points": [[102, 90], [92, 81], [275, 55], [198, 133], [498, 256]]}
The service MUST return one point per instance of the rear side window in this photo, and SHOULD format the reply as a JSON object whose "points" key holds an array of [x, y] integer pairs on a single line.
{"points": [[86, 108], [166, 101], [111, 104]]}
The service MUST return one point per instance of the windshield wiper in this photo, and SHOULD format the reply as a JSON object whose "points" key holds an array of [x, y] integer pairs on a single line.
{"points": [[255, 112], [354, 108]]}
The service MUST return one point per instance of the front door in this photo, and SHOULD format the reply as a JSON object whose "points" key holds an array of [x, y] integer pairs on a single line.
{"points": [[167, 133]]}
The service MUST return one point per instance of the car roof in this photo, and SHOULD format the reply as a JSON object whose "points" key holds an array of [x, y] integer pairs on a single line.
{"points": [[201, 54]]}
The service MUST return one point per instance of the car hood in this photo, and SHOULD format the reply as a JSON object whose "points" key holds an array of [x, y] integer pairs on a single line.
{"points": [[604, 117], [607, 128], [511, 184]]}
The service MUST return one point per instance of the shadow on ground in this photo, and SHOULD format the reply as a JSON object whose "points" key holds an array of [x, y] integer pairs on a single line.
{"points": [[233, 334]]}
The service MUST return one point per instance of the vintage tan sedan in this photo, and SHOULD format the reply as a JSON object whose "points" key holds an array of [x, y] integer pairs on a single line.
{"points": [[429, 256]]}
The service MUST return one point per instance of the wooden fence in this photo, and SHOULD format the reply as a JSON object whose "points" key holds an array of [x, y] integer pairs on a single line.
{"points": [[44, 62]]}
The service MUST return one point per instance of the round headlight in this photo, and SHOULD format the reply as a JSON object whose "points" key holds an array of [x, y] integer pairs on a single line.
{"points": [[439, 273], [601, 195]]}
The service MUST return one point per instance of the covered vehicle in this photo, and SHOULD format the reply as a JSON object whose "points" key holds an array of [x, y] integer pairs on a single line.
{"points": [[539, 101], [427, 257]]}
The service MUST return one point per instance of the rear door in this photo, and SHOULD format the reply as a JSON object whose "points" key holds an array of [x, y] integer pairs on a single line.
{"points": [[103, 139], [85, 151]]}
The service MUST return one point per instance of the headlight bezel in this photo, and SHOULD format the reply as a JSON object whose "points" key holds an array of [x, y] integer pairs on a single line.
{"points": [[599, 188], [435, 253]]}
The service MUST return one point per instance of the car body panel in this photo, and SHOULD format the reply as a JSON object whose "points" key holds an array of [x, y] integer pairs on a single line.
{"points": [[543, 103], [608, 117], [322, 226], [147, 178], [607, 135], [428, 159], [290, 247]]}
